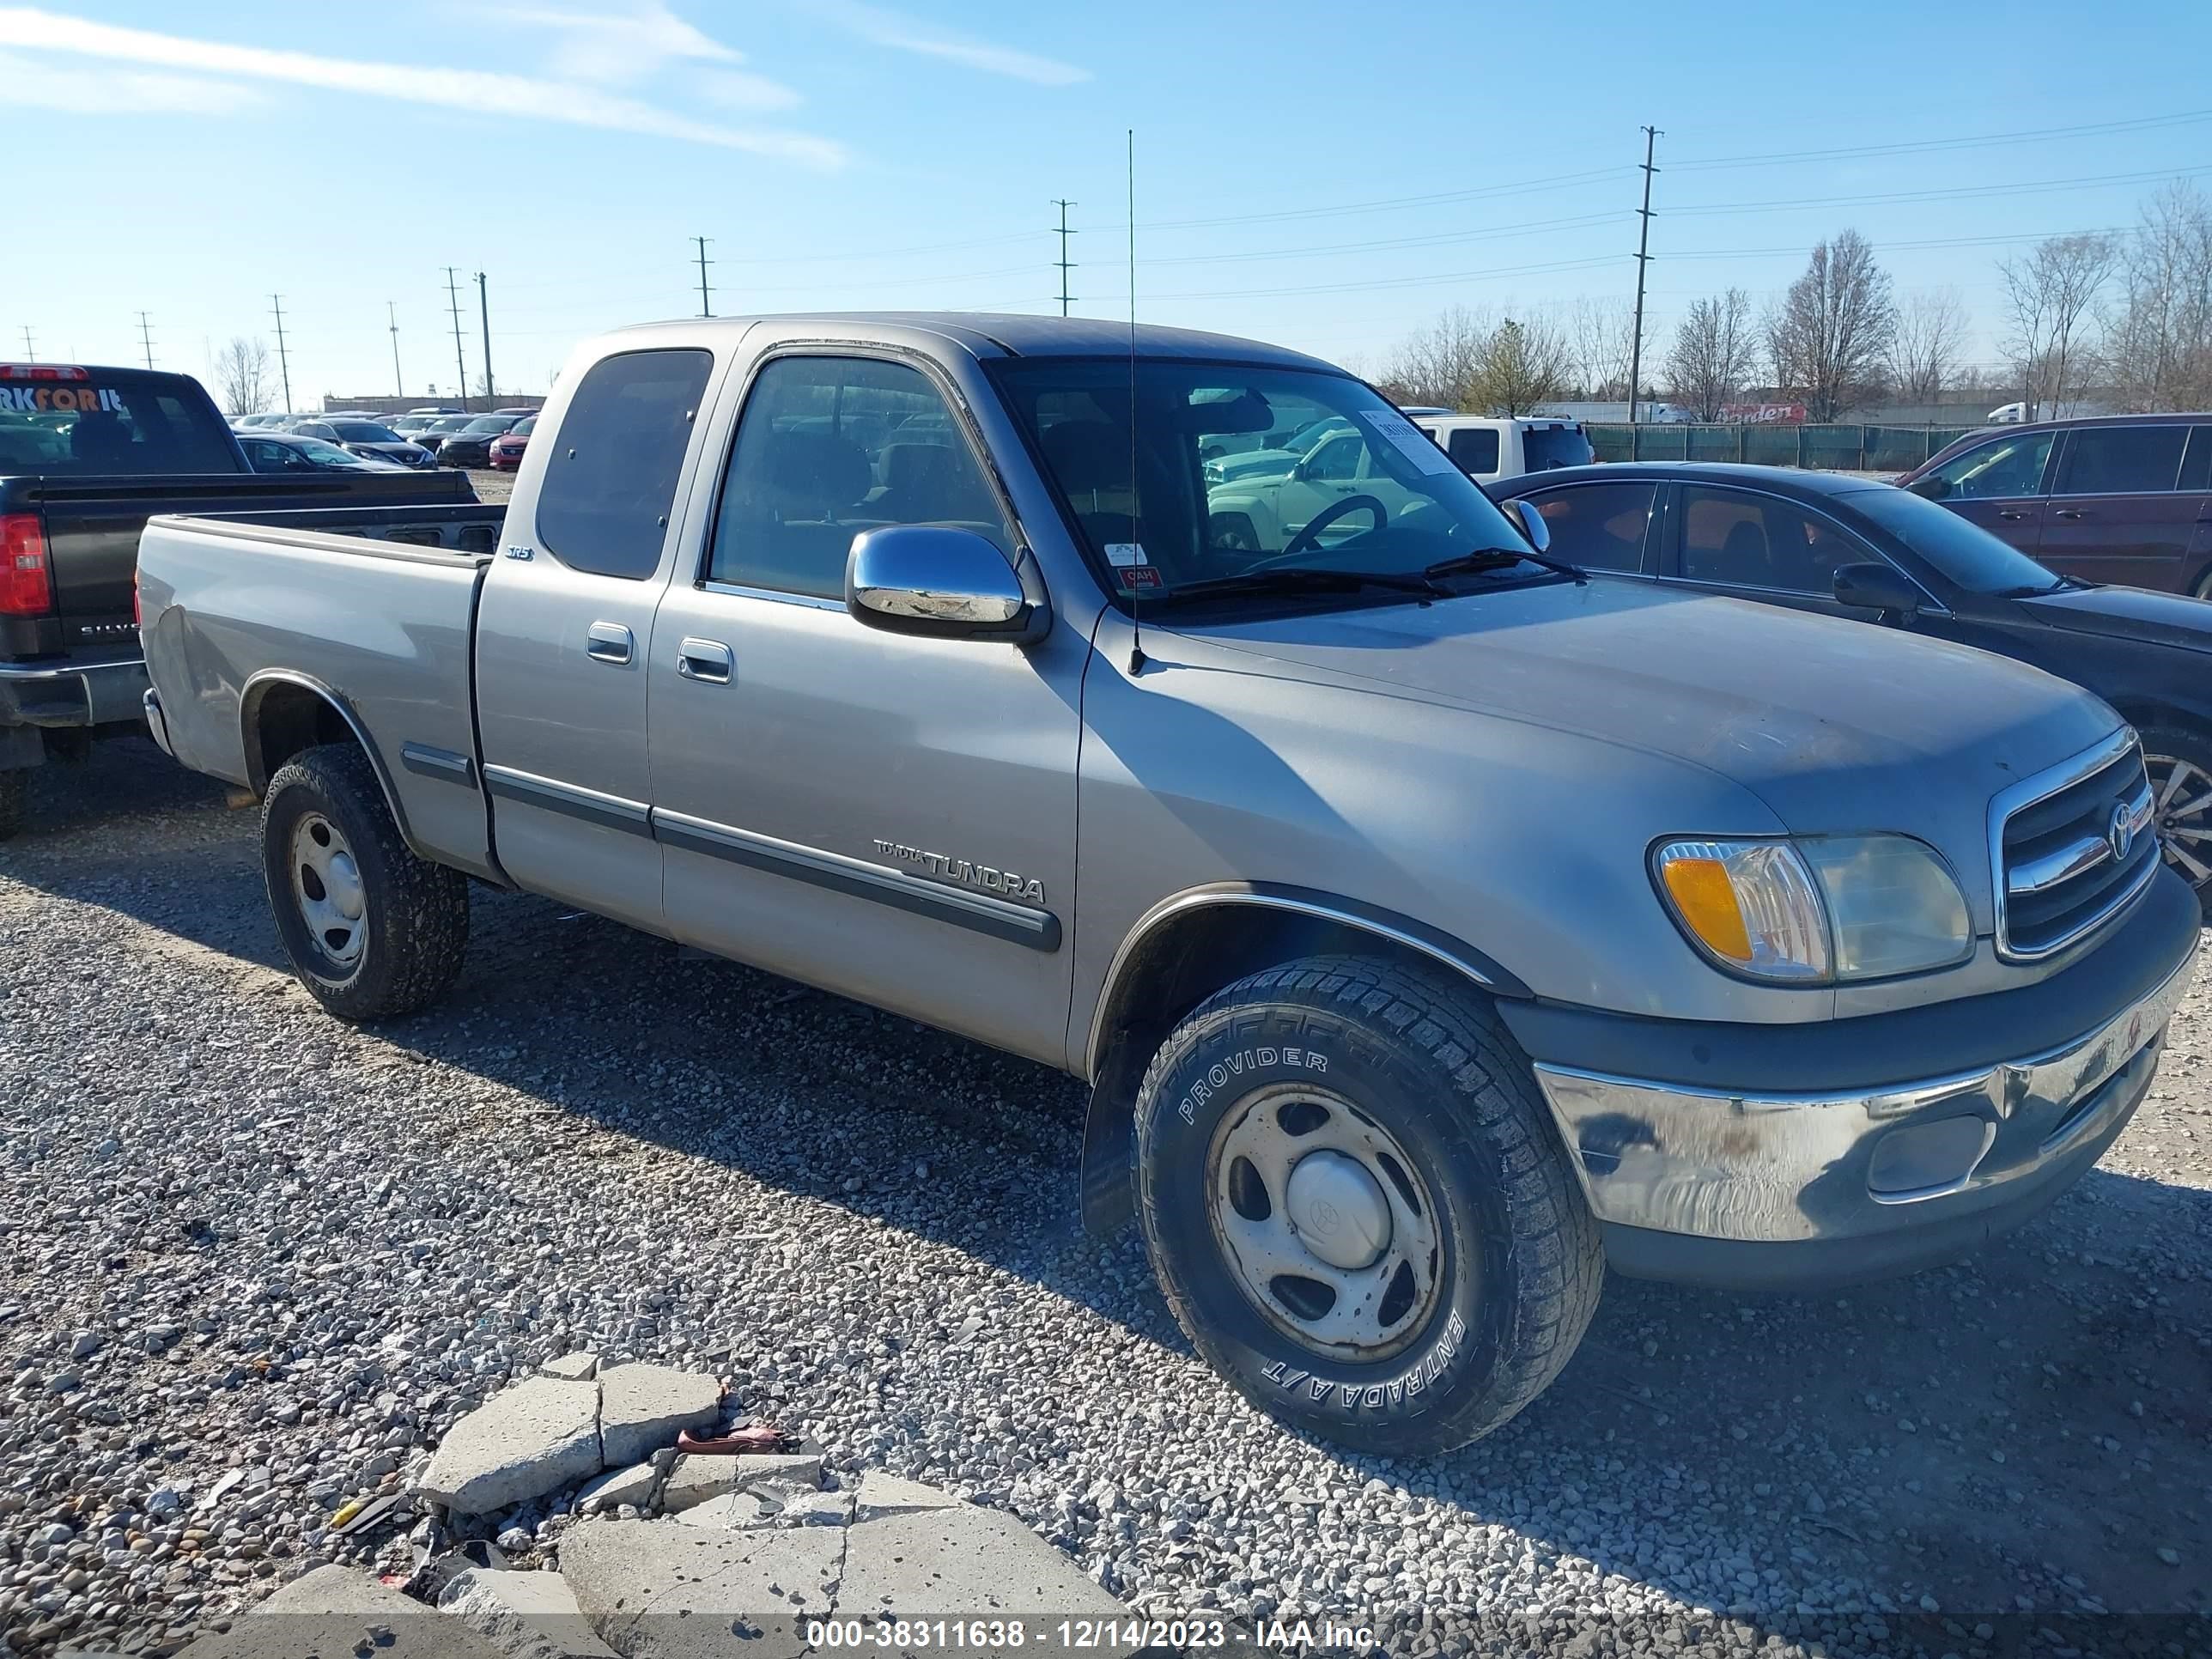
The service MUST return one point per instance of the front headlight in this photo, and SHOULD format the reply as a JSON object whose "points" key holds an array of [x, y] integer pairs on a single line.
{"points": [[1816, 911]]}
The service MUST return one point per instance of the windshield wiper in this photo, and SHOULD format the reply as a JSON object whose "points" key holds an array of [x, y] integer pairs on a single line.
{"points": [[1480, 559], [1299, 579]]}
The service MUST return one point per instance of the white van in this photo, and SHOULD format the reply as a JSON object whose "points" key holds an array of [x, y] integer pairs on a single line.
{"points": [[1488, 449]]}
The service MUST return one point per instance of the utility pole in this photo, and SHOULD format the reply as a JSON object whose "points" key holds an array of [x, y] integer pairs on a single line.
{"points": [[283, 361], [146, 339], [461, 362], [1643, 259], [483, 310], [398, 381], [30, 352], [1064, 267], [705, 309]]}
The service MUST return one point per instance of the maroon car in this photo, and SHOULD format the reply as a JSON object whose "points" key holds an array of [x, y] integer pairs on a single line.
{"points": [[2125, 499], [505, 451]]}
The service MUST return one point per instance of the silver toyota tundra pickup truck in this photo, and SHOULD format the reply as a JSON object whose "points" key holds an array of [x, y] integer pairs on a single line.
{"points": [[1435, 922]]}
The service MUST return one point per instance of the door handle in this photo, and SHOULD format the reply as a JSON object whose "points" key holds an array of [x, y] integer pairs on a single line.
{"points": [[705, 661], [2069, 513], [610, 643], [2015, 513]]}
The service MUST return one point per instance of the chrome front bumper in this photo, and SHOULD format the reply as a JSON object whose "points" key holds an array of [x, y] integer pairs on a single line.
{"points": [[1861, 1164]]}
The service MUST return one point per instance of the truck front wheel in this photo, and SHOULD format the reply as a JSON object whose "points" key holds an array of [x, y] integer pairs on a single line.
{"points": [[1358, 1208], [371, 930]]}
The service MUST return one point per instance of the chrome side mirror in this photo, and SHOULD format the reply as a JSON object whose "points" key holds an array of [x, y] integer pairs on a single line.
{"points": [[1532, 524], [939, 582]]}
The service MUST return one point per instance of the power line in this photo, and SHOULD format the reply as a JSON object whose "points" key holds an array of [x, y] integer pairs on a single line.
{"points": [[483, 307], [705, 308], [1643, 263], [398, 381], [1064, 267], [284, 358], [1391, 205], [460, 361], [1960, 192], [1920, 146], [146, 339]]}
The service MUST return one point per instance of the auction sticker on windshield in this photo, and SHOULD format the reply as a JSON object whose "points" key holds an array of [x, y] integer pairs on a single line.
{"points": [[1413, 443]]}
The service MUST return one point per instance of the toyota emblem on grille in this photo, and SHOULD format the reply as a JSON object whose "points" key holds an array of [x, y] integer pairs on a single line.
{"points": [[2120, 832]]}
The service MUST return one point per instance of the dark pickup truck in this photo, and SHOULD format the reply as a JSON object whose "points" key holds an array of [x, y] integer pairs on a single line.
{"points": [[86, 456]]}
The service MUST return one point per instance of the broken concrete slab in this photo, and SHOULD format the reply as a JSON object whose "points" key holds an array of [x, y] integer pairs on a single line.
{"points": [[535, 1438], [697, 1477], [890, 1494], [962, 1560], [331, 1611], [727, 1513], [658, 1590], [572, 1367], [526, 1615], [633, 1485], [642, 1407]]}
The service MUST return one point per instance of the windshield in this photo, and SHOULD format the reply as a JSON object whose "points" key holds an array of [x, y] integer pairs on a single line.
{"points": [[323, 454], [1965, 552], [366, 432], [1372, 494], [490, 424], [524, 427], [1547, 447]]}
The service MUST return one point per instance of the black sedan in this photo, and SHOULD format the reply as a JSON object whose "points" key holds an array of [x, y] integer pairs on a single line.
{"points": [[472, 445], [1849, 547], [292, 452], [368, 438]]}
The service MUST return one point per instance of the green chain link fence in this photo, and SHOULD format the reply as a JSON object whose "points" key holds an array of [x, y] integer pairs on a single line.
{"points": [[1833, 447]]}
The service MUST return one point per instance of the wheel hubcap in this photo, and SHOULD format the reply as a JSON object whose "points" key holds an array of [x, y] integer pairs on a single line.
{"points": [[1325, 1223], [2181, 794], [327, 888]]}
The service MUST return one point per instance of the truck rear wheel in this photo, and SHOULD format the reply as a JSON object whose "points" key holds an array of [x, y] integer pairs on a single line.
{"points": [[371, 930], [1358, 1208], [15, 802]]}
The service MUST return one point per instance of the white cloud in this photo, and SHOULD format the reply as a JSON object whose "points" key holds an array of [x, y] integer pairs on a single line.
{"points": [[743, 89], [39, 85], [476, 91], [890, 28]]}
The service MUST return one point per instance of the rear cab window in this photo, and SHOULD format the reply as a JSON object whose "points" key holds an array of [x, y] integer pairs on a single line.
{"points": [[101, 425], [603, 500]]}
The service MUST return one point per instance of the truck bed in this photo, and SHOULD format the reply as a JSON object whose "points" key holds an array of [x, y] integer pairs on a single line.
{"points": [[258, 615]]}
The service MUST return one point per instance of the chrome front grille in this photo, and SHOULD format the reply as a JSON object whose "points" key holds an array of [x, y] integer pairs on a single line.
{"points": [[2069, 848]]}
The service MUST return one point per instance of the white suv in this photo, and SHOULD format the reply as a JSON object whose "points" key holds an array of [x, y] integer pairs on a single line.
{"points": [[1487, 449]]}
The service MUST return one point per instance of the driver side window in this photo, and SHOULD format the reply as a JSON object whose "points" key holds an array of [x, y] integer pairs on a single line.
{"points": [[1336, 461], [2009, 466]]}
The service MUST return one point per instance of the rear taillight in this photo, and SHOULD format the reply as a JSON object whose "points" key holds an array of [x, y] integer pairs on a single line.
{"points": [[27, 576]]}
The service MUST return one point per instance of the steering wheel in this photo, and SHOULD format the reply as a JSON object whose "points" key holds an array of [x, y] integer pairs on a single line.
{"points": [[1321, 520]]}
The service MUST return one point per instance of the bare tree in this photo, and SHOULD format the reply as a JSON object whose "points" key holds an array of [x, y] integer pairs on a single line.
{"points": [[1523, 364], [1603, 333], [1711, 356], [2156, 351], [1925, 348], [242, 377], [1831, 333], [1440, 364], [2047, 295]]}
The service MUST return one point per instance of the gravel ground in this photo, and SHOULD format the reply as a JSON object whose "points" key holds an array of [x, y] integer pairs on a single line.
{"points": [[242, 1239]]}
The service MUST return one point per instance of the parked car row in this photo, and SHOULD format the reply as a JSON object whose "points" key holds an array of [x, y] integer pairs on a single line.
{"points": [[1443, 900], [420, 439]]}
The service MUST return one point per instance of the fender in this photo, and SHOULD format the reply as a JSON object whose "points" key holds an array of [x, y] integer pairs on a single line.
{"points": [[249, 714], [1455, 954]]}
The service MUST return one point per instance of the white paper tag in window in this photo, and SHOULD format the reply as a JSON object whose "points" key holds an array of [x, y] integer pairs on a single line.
{"points": [[1124, 556], [1415, 445]]}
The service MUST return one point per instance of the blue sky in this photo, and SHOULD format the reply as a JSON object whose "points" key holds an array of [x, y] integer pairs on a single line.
{"points": [[1326, 175]]}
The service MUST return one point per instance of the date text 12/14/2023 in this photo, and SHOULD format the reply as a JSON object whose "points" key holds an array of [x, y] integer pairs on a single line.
{"points": [[1091, 1634]]}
